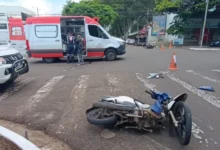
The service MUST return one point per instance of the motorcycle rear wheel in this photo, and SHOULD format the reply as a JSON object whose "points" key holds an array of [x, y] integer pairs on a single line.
{"points": [[97, 118], [182, 113]]}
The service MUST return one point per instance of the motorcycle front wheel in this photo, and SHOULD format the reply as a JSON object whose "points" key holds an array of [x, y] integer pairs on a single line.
{"points": [[101, 118], [183, 115]]}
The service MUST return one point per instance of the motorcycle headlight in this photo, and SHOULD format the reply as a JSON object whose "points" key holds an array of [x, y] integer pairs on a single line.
{"points": [[2, 61]]}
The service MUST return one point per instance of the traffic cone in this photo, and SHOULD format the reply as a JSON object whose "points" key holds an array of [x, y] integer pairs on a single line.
{"points": [[173, 65], [170, 46], [161, 47]]}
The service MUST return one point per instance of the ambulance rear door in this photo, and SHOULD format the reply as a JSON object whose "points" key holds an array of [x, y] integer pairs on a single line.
{"points": [[17, 34]]}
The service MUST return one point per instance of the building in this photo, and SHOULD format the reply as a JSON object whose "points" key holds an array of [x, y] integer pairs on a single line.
{"points": [[16, 12], [193, 30]]}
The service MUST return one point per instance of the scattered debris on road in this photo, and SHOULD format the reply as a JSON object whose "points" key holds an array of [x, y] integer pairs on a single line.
{"points": [[155, 75], [206, 88]]}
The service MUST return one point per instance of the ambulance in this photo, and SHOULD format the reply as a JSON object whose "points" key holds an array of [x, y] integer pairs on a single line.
{"points": [[45, 37], [12, 31]]}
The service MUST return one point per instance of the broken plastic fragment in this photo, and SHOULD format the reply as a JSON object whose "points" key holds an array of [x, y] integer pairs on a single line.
{"points": [[207, 88]]}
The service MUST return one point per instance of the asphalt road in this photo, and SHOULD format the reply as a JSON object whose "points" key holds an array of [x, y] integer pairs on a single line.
{"points": [[54, 98]]}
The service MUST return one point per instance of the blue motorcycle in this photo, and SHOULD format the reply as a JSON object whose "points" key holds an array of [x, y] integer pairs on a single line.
{"points": [[126, 110]]}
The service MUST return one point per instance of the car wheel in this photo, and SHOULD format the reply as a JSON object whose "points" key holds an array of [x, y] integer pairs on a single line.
{"points": [[110, 55], [49, 60]]}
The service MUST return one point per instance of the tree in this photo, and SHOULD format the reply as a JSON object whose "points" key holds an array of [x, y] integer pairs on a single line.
{"points": [[133, 14], [92, 9], [185, 9]]}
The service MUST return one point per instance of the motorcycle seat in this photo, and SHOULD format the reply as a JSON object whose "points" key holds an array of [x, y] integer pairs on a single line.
{"points": [[122, 100]]}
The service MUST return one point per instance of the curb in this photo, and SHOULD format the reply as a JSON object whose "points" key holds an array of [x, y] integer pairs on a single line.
{"points": [[205, 49]]}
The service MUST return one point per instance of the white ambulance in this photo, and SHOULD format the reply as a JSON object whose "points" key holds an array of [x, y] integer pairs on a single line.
{"points": [[12, 31], [45, 36]]}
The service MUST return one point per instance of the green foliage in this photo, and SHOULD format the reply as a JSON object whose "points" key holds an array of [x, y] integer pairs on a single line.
{"points": [[132, 14], [167, 5], [92, 9], [184, 9]]}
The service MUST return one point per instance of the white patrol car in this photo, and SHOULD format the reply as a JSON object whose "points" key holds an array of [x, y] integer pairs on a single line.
{"points": [[12, 64]]}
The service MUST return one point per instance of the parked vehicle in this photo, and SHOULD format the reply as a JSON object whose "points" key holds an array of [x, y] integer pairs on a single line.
{"points": [[148, 46], [130, 41], [120, 110], [45, 40], [12, 64], [215, 43], [12, 31]]}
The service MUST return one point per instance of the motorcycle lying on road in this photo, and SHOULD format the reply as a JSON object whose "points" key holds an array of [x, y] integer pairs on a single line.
{"points": [[126, 110]]}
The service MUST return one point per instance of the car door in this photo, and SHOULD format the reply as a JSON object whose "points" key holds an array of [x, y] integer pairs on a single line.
{"points": [[46, 38], [96, 41]]}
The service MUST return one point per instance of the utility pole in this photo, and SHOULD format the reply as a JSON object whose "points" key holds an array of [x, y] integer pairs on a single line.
{"points": [[37, 12], [204, 23], [147, 25]]}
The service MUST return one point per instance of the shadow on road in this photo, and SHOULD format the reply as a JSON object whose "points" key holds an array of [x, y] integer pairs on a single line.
{"points": [[87, 61], [4, 87]]}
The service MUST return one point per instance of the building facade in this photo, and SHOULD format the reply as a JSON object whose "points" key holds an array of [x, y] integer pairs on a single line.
{"points": [[193, 30], [16, 12]]}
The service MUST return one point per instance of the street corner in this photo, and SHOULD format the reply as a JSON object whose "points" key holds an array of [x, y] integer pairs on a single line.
{"points": [[37, 138]]}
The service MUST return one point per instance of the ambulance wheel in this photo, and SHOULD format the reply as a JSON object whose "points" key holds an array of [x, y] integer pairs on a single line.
{"points": [[49, 60], [110, 55]]}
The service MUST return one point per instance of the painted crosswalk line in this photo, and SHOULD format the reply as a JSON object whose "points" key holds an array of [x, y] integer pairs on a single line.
{"points": [[77, 95], [112, 82], [204, 77], [39, 95], [206, 96], [216, 70]]}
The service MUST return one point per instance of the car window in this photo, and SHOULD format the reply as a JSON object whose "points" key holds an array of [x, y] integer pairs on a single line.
{"points": [[46, 31], [3, 26], [95, 31]]}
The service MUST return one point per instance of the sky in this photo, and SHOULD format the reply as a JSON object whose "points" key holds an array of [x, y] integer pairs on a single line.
{"points": [[44, 6]]}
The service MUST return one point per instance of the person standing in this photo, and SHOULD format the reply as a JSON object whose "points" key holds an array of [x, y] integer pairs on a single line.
{"points": [[70, 47], [80, 49]]}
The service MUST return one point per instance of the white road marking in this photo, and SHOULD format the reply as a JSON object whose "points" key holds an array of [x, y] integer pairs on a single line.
{"points": [[211, 128], [79, 90], [112, 81], [40, 95], [204, 77], [146, 82], [207, 97], [15, 88], [216, 70], [196, 131], [197, 119], [76, 104]]}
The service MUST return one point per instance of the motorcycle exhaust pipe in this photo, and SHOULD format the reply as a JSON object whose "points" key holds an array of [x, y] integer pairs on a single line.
{"points": [[112, 106]]}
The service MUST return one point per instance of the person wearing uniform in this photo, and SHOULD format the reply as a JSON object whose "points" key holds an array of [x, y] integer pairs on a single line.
{"points": [[70, 47], [80, 49]]}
